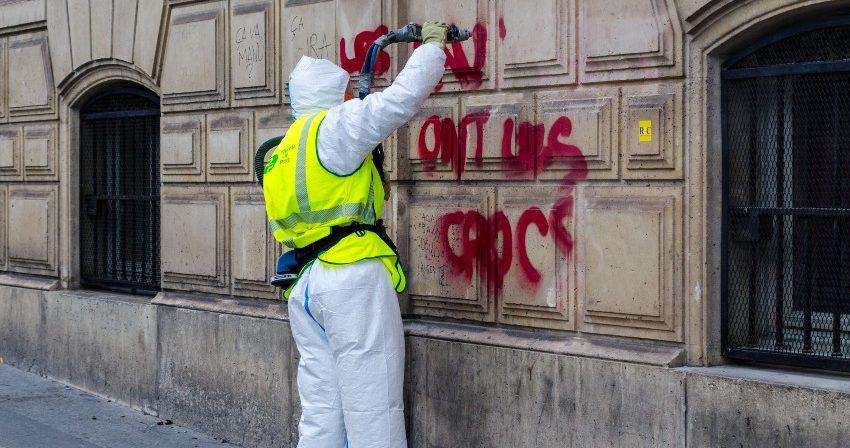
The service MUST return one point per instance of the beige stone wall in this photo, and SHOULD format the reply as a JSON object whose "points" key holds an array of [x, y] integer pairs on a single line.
{"points": [[529, 191]]}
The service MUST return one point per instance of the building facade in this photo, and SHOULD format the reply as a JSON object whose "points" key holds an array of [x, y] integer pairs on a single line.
{"points": [[613, 214]]}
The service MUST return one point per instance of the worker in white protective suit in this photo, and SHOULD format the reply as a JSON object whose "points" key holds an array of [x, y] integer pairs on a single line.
{"points": [[343, 308]]}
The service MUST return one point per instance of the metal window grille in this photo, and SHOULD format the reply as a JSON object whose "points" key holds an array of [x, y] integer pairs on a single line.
{"points": [[786, 198], [119, 191]]}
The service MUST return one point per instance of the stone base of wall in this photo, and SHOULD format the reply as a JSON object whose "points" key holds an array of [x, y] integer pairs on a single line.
{"points": [[226, 368]]}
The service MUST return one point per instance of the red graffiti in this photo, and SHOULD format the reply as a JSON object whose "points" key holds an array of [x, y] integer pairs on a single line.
{"points": [[469, 75], [362, 42], [479, 237], [502, 30], [531, 216], [532, 154], [487, 244], [450, 141]]}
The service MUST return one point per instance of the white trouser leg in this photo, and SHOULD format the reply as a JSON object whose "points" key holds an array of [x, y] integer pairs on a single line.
{"points": [[321, 424], [358, 308]]}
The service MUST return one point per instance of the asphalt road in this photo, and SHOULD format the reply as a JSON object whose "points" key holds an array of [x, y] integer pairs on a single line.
{"points": [[38, 412]]}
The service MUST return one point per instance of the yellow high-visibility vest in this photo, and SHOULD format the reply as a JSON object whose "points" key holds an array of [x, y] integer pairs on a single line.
{"points": [[304, 200]]}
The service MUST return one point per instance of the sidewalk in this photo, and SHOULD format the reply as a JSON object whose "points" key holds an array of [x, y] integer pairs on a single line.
{"points": [[38, 412]]}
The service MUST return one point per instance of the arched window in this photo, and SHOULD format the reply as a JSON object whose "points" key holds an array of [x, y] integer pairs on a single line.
{"points": [[119, 191], [786, 198]]}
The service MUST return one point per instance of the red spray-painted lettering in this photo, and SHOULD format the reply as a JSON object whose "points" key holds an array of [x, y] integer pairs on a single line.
{"points": [[469, 75], [488, 244], [362, 42]]}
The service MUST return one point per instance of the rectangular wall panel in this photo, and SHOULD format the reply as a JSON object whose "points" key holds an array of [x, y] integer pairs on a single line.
{"points": [[534, 264], [33, 229], [447, 262], [470, 64], [358, 24], [229, 148], [653, 141], [40, 152], [431, 138], [195, 223], [581, 133], [629, 39], [10, 154], [194, 73], [30, 83], [549, 58], [254, 40], [252, 248], [268, 124], [181, 148], [493, 138], [634, 235], [308, 29]]}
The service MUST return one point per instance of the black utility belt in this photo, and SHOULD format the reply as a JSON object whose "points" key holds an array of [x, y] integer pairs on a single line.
{"points": [[290, 264]]}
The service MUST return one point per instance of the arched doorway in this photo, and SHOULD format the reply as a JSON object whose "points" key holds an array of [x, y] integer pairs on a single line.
{"points": [[786, 195], [119, 191]]}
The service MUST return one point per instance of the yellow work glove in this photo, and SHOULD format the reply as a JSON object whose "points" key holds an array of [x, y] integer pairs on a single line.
{"points": [[435, 32]]}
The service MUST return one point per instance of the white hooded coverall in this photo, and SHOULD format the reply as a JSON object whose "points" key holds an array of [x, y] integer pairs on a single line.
{"points": [[345, 319]]}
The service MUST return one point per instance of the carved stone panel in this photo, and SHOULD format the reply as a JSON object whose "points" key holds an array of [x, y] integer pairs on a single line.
{"points": [[629, 39], [194, 247], [229, 149], [431, 138], [358, 24], [652, 131], [252, 248], [581, 133], [31, 93], [470, 64], [181, 148], [194, 75], [493, 136], [534, 263], [33, 229], [271, 123], [254, 36], [10, 154], [447, 264], [308, 28], [545, 60], [40, 152], [634, 235]]}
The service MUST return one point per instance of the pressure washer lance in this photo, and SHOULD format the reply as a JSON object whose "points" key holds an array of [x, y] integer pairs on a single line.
{"points": [[411, 32]]}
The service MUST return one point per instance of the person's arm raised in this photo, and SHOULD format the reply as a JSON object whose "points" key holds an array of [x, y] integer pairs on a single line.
{"points": [[351, 130]]}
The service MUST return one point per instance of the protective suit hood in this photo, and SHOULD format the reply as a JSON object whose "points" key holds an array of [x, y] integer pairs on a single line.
{"points": [[316, 85]]}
